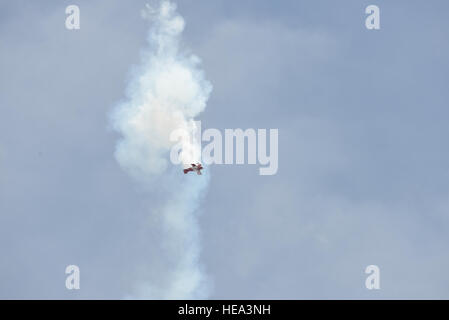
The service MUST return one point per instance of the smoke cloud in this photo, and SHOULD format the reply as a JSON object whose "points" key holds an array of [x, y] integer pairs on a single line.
{"points": [[165, 93]]}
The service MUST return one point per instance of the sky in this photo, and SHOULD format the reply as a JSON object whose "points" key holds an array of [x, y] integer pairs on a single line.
{"points": [[363, 174]]}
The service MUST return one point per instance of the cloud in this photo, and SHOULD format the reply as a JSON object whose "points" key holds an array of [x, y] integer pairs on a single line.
{"points": [[166, 92]]}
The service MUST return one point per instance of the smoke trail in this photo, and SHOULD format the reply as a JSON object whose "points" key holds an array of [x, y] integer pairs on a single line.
{"points": [[166, 93]]}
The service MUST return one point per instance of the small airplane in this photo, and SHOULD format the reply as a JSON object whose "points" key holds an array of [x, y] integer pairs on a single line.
{"points": [[195, 168]]}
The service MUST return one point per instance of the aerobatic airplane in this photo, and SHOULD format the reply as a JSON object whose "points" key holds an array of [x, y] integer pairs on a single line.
{"points": [[195, 168]]}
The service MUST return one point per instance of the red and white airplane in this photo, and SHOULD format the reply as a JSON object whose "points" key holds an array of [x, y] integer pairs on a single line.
{"points": [[195, 168]]}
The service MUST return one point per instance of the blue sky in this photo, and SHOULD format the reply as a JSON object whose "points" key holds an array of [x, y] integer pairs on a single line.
{"points": [[363, 150]]}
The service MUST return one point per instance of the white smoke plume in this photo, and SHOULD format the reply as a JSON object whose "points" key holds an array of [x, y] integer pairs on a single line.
{"points": [[165, 93]]}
